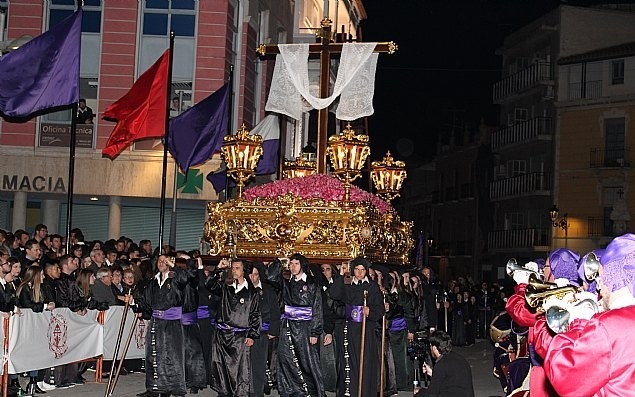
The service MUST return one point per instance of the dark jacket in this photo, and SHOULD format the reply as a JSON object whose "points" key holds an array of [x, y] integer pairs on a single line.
{"points": [[451, 377]]}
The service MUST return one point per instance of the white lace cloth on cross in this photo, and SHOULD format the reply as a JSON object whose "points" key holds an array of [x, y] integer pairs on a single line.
{"points": [[355, 82]]}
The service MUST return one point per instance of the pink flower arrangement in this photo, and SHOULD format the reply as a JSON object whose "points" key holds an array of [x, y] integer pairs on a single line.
{"points": [[321, 186]]}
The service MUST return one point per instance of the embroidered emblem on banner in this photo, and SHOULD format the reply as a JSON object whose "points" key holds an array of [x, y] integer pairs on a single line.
{"points": [[140, 334], [57, 335], [354, 313]]}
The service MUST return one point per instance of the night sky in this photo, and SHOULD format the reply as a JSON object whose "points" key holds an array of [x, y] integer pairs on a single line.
{"points": [[443, 73]]}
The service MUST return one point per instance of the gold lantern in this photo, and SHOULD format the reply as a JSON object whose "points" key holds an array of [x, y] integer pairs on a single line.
{"points": [[348, 153], [303, 165], [241, 153], [387, 176]]}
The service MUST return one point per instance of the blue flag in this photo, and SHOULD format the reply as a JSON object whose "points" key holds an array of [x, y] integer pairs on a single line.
{"points": [[198, 132], [269, 129], [43, 73]]}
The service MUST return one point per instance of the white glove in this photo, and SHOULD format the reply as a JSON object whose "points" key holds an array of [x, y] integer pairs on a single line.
{"points": [[584, 309], [533, 266], [561, 282], [521, 276]]}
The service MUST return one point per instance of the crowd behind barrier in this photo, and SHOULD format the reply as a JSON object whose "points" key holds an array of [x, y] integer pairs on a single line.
{"points": [[50, 339]]}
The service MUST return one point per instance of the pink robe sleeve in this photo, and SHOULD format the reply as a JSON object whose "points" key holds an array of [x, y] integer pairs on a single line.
{"points": [[518, 309], [574, 357]]}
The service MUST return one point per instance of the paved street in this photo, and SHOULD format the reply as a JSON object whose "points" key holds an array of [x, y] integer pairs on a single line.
{"points": [[479, 356]]}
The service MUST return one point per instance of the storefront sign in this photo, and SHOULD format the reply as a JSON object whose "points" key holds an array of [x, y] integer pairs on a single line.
{"points": [[59, 135], [37, 183]]}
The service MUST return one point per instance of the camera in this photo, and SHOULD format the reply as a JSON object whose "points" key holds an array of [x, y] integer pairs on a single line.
{"points": [[419, 352], [419, 349]]}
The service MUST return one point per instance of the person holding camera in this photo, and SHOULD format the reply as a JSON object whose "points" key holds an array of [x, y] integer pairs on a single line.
{"points": [[452, 375]]}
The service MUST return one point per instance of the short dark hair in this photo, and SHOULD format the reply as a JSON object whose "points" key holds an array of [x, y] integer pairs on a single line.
{"points": [[40, 226], [82, 100], [441, 340]]}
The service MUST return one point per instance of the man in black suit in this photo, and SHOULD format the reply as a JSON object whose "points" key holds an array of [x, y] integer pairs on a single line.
{"points": [[452, 375]]}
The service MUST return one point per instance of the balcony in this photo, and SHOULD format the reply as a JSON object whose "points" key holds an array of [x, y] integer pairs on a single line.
{"points": [[601, 227], [539, 127], [517, 238], [584, 90], [536, 183], [538, 73], [467, 192], [609, 158]]}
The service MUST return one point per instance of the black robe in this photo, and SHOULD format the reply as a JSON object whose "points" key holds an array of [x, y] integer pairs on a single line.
{"points": [[195, 369], [353, 294], [260, 356], [238, 318], [299, 371], [165, 357], [205, 321]]}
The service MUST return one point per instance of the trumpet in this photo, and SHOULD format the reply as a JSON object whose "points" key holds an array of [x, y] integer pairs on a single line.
{"points": [[539, 291], [512, 266], [559, 317], [591, 266]]}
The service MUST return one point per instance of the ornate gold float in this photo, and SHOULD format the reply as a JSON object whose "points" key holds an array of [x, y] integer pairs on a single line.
{"points": [[320, 216]]}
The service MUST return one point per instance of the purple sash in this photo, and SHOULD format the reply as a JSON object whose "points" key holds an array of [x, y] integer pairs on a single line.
{"points": [[189, 318], [173, 313], [212, 320], [398, 324], [226, 327], [297, 313], [354, 313], [265, 326], [202, 312]]}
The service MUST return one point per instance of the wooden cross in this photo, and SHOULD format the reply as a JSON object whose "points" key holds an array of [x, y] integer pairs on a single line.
{"points": [[326, 49]]}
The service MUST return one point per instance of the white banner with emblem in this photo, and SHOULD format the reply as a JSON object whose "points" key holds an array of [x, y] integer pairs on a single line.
{"points": [[49, 339], [112, 322]]}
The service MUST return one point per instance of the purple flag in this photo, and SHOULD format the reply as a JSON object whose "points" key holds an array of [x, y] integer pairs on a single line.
{"points": [[269, 129], [198, 132], [43, 73]]}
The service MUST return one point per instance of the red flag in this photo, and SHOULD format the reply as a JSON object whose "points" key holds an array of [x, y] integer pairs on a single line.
{"points": [[141, 112]]}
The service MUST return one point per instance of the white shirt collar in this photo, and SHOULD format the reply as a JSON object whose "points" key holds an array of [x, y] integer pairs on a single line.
{"points": [[302, 277], [364, 280], [160, 280], [239, 287], [259, 285]]}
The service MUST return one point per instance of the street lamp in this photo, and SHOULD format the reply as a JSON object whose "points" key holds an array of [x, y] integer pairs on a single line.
{"points": [[555, 222]]}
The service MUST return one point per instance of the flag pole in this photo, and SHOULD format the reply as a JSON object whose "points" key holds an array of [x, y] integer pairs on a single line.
{"points": [[229, 123], [71, 176], [172, 240], [165, 143], [71, 166]]}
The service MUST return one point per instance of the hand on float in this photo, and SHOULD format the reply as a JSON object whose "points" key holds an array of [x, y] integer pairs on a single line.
{"points": [[313, 340], [249, 342], [328, 339]]}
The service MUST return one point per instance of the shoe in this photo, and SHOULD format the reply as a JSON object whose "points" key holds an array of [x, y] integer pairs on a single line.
{"points": [[78, 382], [123, 371], [45, 386], [65, 386], [194, 390], [16, 384]]}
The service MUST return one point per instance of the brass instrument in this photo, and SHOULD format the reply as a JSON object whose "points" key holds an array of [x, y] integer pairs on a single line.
{"points": [[512, 266], [559, 317], [536, 298], [536, 284], [591, 266]]}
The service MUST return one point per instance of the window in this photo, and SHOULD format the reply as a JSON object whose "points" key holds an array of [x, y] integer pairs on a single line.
{"points": [[516, 168], [614, 142], [159, 18], [54, 126], [617, 72], [514, 220], [520, 115]]}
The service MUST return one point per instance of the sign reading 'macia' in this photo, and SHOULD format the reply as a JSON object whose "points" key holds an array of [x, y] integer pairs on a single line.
{"points": [[36, 183]]}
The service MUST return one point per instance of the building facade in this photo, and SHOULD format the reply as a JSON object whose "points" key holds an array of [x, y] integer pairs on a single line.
{"points": [[120, 40]]}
